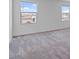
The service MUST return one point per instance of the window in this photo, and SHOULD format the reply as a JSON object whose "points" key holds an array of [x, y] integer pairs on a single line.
{"points": [[28, 12], [65, 12]]}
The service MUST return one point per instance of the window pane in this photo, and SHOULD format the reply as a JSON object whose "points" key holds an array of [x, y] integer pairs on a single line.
{"points": [[65, 12], [28, 12]]}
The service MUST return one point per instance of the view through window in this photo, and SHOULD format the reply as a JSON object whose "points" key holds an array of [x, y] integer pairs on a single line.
{"points": [[65, 12], [28, 12]]}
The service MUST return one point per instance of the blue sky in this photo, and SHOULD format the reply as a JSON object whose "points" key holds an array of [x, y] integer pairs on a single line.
{"points": [[28, 7], [65, 9]]}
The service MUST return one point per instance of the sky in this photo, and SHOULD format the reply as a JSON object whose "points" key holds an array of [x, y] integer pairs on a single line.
{"points": [[28, 7], [65, 9]]}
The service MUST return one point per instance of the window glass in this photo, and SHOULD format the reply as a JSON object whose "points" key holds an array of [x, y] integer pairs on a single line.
{"points": [[28, 12], [65, 12]]}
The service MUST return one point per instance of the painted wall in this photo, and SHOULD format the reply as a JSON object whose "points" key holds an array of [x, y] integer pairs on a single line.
{"points": [[48, 17]]}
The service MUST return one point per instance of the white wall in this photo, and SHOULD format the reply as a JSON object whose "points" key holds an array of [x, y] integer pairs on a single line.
{"points": [[48, 17], [66, 0], [10, 19]]}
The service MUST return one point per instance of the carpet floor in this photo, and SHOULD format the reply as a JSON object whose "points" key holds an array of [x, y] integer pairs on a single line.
{"points": [[47, 45]]}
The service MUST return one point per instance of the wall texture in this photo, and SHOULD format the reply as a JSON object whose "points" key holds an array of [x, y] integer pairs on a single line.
{"points": [[48, 17]]}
